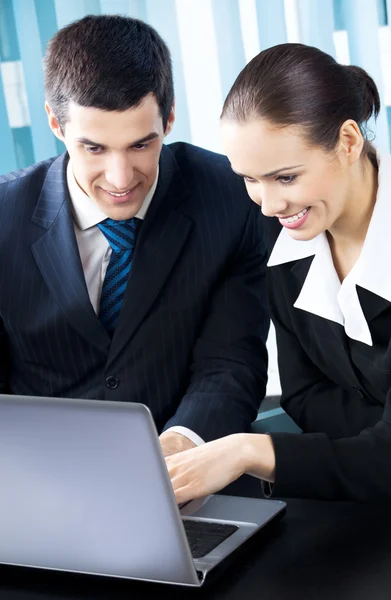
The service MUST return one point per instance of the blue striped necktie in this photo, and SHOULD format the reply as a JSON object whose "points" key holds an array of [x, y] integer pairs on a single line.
{"points": [[121, 236]]}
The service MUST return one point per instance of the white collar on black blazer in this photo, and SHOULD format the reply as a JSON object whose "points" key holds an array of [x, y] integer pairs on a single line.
{"points": [[322, 293]]}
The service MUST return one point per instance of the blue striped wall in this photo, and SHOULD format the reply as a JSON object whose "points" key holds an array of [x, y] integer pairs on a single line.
{"points": [[27, 25]]}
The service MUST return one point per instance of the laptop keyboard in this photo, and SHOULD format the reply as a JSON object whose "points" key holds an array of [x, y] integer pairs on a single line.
{"points": [[204, 536]]}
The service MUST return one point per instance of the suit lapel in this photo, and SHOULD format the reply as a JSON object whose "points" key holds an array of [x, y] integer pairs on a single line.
{"points": [[372, 304], [160, 242], [331, 330], [57, 256]]}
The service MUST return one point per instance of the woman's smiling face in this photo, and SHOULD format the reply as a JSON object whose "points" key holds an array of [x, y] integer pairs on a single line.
{"points": [[302, 185]]}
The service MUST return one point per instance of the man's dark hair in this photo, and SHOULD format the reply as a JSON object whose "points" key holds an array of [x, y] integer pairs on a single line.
{"points": [[107, 62]]}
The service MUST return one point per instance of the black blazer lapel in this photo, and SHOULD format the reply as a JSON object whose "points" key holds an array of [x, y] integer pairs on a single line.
{"points": [[160, 241], [371, 304], [58, 259], [334, 331]]}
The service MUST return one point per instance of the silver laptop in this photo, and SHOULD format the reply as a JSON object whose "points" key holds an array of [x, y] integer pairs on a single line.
{"points": [[84, 488]]}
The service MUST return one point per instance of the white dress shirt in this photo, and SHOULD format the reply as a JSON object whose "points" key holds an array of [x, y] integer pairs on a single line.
{"points": [[322, 293], [95, 250]]}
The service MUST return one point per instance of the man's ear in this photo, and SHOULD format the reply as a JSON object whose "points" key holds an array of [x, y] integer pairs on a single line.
{"points": [[53, 123], [170, 120]]}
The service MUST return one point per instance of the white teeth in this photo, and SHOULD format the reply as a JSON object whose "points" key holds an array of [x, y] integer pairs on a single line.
{"points": [[119, 195], [296, 217]]}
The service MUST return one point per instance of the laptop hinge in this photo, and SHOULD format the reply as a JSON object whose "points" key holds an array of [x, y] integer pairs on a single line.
{"points": [[200, 575]]}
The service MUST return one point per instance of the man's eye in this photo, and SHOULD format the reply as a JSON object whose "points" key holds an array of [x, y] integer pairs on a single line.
{"points": [[286, 179], [140, 146], [93, 149]]}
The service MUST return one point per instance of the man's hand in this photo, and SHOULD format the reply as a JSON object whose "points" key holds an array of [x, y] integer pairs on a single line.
{"points": [[173, 442]]}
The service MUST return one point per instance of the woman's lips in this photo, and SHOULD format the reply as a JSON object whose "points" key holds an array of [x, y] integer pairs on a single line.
{"points": [[296, 220]]}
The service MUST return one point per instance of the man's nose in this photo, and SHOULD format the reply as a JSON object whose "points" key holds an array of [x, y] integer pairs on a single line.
{"points": [[119, 173]]}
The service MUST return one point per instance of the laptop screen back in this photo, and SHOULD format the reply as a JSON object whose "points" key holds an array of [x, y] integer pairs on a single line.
{"points": [[84, 488]]}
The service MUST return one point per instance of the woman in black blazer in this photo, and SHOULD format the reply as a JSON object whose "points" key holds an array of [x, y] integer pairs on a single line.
{"points": [[294, 126]]}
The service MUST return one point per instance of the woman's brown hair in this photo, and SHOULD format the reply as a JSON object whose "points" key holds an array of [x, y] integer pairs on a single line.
{"points": [[294, 84]]}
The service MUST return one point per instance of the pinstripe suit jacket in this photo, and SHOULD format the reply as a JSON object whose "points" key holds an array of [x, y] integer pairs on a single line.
{"points": [[190, 342]]}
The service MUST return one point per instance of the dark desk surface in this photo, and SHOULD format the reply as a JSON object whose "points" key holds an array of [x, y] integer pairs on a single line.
{"points": [[318, 550]]}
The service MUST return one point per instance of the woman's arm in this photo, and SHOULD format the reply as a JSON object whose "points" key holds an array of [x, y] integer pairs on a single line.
{"points": [[209, 468], [344, 454]]}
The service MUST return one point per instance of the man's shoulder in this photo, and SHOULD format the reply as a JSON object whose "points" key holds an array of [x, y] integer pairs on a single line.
{"points": [[22, 176], [20, 190], [209, 175], [192, 158], [272, 228], [215, 189]]}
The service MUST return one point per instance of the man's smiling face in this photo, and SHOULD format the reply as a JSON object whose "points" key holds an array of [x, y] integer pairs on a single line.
{"points": [[114, 155]]}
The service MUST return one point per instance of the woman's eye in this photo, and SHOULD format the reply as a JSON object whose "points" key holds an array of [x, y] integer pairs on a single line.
{"points": [[248, 179], [286, 179]]}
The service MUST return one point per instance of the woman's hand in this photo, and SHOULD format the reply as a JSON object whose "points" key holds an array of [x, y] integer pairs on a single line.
{"points": [[210, 467]]}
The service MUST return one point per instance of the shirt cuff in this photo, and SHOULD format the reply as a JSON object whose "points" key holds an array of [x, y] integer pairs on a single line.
{"points": [[193, 437], [267, 488]]}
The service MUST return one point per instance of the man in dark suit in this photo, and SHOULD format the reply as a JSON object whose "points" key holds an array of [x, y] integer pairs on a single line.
{"points": [[130, 270]]}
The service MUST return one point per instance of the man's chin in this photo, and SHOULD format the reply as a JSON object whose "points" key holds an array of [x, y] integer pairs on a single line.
{"points": [[117, 210], [120, 213]]}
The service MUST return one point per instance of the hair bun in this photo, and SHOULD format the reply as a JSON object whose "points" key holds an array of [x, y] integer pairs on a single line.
{"points": [[368, 89]]}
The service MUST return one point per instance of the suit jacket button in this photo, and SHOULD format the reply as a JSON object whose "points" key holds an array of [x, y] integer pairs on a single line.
{"points": [[112, 382], [359, 392]]}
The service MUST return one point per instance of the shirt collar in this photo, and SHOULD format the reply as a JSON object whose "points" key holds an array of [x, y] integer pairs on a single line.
{"points": [[86, 213], [322, 292]]}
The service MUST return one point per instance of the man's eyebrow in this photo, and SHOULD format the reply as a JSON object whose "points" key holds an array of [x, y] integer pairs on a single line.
{"points": [[151, 136], [271, 172], [147, 138], [87, 142]]}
